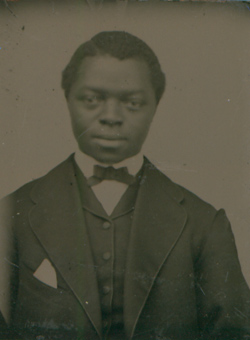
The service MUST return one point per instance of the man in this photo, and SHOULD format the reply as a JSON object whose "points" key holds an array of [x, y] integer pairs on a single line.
{"points": [[105, 246]]}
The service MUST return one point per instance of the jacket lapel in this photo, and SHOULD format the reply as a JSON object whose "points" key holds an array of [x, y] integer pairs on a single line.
{"points": [[157, 225], [58, 222]]}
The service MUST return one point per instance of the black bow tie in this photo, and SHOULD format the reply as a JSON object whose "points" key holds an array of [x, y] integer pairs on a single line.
{"points": [[109, 173]]}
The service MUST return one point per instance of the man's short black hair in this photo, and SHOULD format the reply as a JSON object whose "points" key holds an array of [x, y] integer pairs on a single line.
{"points": [[120, 45]]}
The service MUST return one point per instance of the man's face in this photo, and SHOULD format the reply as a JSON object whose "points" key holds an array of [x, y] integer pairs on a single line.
{"points": [[112, 104]]}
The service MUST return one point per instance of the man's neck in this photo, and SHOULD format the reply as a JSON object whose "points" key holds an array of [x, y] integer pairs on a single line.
{"points": [[86, 163]]}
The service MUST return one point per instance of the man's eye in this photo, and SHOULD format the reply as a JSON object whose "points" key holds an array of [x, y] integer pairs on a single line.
{"points": [[91, 101], [134, 105]]}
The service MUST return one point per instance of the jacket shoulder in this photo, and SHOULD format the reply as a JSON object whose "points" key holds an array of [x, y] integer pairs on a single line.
{"points": [[204, 218], [198, 211], [193, 200], [192, 203]]}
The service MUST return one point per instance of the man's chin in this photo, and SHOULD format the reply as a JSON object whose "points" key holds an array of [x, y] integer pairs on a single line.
{"points": [[110, 159], [107, 157]]}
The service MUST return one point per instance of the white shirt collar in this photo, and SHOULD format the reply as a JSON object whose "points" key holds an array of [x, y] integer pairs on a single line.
{"points": [[86, 163]]}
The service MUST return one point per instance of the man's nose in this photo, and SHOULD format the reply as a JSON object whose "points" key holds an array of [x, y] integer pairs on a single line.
{"points": [[111, 113]]}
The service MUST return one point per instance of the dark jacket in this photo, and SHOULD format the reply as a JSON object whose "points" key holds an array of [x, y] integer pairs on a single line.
{"points": [[183, 278]]}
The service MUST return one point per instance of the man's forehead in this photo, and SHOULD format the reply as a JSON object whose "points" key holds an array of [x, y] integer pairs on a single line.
{"points": [[103, 71], [113, 64]]}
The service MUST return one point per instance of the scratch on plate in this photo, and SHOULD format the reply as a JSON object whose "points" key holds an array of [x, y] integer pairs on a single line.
{"points": [[9, 9], [84, 132], [13, 264], [201, 289], [240, 313]]}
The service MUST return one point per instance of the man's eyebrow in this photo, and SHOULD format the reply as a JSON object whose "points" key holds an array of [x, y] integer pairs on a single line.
{"points": [[125, 93], [130, 93]]}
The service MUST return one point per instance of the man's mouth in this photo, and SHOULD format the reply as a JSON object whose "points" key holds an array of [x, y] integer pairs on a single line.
{"points": [[110, 137], [109, 141]]}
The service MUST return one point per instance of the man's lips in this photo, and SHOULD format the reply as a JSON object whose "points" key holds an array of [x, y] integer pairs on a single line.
{"points": [[111, 137], [109, 141]]}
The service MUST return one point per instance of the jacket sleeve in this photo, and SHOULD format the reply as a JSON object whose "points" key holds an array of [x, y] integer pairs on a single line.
{"points": [[8, 264], [223, 296]]}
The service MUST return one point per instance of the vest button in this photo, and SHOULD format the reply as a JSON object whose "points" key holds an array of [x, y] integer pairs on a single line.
{"points": [[106, 289], [106, 225], [106, 256]]}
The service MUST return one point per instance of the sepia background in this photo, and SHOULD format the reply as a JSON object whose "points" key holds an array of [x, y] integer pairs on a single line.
{"points": [[200, 136]]}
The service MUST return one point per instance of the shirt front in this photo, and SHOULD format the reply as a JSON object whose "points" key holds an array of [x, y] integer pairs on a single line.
{"points": [[108, 192]]}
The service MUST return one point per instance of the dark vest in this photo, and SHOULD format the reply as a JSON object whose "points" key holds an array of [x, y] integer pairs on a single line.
{"points": [[109, 238]]}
